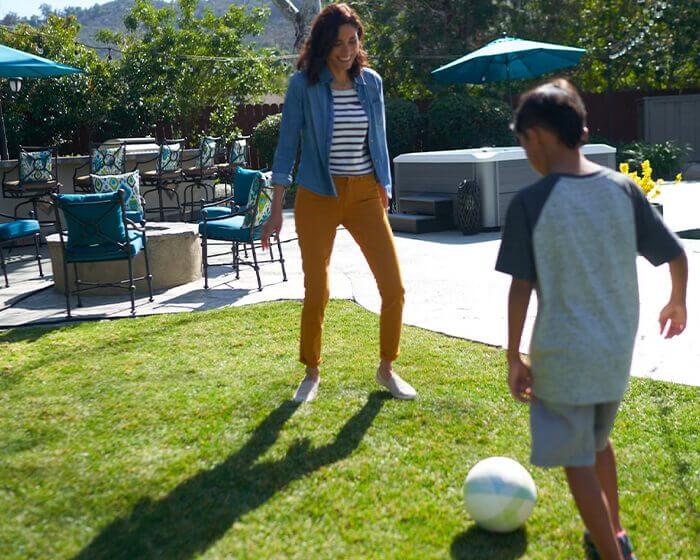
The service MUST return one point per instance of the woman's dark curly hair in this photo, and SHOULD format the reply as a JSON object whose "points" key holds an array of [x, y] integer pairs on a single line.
{"points": [[324, 33]]}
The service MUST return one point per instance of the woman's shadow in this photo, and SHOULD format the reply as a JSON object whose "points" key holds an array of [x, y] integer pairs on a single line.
{"points": [[197, 513]]}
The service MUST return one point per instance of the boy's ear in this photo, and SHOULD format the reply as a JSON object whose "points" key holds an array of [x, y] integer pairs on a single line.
{"points": [[585, 135]]}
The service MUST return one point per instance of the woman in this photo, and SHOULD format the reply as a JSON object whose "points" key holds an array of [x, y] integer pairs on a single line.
{"points": [[335, 104]]}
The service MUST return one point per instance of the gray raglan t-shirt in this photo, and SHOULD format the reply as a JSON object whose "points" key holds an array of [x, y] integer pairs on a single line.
{"points": [[577, 237]]}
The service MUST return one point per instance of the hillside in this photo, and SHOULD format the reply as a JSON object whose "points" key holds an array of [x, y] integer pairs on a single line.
{"points": [[278, 32]]}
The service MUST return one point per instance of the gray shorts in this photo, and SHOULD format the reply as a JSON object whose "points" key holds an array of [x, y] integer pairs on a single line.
{"points": [[565, 435]]}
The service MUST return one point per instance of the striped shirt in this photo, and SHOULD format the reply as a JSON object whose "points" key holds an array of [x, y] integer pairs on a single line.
{"points": [[349, 149]]}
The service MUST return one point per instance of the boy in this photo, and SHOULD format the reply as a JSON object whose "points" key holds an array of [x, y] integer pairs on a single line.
{"points": [[574, 237]]}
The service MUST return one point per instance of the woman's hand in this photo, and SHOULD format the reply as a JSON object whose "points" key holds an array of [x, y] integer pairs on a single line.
{"points": [[384, 197], [274, 222], [272, 225]]}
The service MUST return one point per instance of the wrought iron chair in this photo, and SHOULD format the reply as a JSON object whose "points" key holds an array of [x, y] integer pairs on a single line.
{"points": [[37, 176], [238, 156], [240, 226], [98, 231], [166, 176], [18, 229], [204, 170], [108, 158]]}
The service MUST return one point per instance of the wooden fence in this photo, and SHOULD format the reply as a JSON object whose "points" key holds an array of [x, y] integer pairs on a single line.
{"points": [[617, 117]]}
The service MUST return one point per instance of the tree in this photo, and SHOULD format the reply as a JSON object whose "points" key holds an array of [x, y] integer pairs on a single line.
{"points": [[56, 110], [300, 17], [176, 66], [631, 44], [406, 39]]}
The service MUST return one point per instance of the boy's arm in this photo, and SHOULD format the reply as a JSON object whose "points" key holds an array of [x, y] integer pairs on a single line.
{"points": [[519, 376], [674, 314]]}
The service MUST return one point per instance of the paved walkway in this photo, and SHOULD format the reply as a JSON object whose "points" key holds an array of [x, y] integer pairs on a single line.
{"points": [[451, 287]]}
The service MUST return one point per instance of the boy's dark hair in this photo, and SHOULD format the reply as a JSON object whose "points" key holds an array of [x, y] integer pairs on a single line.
{"points": [[555, 106]]}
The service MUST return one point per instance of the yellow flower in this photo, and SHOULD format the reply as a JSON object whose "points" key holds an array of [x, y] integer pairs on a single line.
{"points": [[679, 178], [625, 168]]}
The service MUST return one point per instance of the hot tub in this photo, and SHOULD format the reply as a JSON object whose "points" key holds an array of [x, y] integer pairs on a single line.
{"points": [[501, 172]]}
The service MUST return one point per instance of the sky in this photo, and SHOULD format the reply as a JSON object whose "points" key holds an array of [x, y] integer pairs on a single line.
{"points": [[29, 8]]}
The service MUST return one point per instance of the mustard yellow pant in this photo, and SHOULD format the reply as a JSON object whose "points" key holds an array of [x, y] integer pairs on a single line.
{"points": [[359, 209]]}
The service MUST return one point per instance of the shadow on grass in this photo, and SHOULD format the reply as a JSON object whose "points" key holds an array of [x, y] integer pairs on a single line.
{"points": [[477, 544], [683, 471], [199, 511]]}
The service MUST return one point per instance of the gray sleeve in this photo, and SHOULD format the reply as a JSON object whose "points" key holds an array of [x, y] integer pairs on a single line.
{"points": [[655, 241], [516, 256]]}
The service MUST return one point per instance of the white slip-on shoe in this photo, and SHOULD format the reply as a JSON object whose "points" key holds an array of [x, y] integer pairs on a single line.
{"points": [[398, 388], [306, 392]]}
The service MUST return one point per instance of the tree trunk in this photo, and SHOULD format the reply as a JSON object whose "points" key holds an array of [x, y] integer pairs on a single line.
{"points": [[301, 17]]}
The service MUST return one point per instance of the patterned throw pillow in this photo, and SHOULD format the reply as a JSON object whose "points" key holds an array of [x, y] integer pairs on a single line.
{"points": [[127, 181], [239, 153], [262, 184], [36, 167], [170, 156], [207, 152], [108, 160]]}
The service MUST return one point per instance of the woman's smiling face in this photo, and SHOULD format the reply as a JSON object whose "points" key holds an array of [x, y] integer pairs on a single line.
{"points": [[345, 49]]}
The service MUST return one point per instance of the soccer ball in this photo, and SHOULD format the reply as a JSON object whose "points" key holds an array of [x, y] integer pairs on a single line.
{"points": [[499, 494]]}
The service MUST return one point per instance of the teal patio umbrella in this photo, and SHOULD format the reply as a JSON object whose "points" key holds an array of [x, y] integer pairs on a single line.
{"points": [[506, 59], [19, 64], [16, 64]]}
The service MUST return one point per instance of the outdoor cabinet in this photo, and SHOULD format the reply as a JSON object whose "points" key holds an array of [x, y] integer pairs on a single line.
{"points": [[501, 172]]}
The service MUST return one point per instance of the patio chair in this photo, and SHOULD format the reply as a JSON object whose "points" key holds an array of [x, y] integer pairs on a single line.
{"points": [[203, 170], [15, 230], [238, 156], [108, 158], [37, 176], [166, 176], [99, 231], [240, 225]]}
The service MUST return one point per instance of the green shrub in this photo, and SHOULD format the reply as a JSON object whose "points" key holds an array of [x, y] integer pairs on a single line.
{"points": [[403, 126], [466, 121], [264, 138], [665, 158]]}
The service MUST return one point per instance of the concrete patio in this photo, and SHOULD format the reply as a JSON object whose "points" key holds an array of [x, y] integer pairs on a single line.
{"points": [[450, 282]]}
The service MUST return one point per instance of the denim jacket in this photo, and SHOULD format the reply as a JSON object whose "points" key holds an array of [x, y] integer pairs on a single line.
{"points": [[308, 114]]}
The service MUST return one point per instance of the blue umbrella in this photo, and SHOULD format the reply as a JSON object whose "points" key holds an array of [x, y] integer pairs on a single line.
{"points": [[19, 64], [508, 58]]}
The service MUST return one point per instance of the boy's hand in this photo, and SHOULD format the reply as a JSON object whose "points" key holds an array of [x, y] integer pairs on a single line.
{"points": [[673, 316], [519, 380]]}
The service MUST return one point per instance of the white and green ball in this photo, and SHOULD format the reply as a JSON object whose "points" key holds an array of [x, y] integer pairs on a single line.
{"points": [[499, 494]]}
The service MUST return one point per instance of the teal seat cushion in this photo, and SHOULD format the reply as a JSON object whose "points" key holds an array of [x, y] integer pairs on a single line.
{"points": [[229, 230], [105, 252], [17, 229], [217, 211]]}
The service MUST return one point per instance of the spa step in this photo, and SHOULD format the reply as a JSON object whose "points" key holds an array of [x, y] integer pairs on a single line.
{"points": [[440, 206], [418, 223]]}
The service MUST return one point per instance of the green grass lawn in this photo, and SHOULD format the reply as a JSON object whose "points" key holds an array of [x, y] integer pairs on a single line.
{"points": [[172, 437]]}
